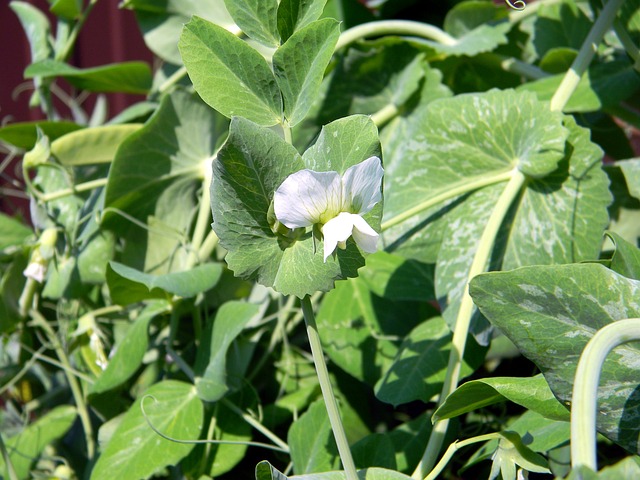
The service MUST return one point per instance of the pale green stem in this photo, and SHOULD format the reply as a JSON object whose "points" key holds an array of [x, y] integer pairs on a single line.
{"points": [[394, 27], [81, 187], [452, 191], [286, 131], [258, 426], [64, 54], [454, 447], [327, 391], [585, 388], [385, 114], [7, 460], [25, 302], [465, 312], [203, 221], [83, 411], [173, 79], [627, 42], [208, 246], [585, 55]]}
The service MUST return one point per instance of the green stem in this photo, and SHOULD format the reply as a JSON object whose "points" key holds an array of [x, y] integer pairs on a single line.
{"points": [[81, 187], [258, 426], [25, 302], [7, 460], [454, 447], [385, 114], [394, 27], [327, 391], [627, 42], [76, 391], [208, 246], [64, 54], [203, 220], [286, 130], [465, 312], [173, 79], [585, 388], [452, 191], [585, 55]]}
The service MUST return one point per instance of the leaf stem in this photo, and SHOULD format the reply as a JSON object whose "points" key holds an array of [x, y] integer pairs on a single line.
{"points": [[585, 388], [203, 220], [465, 312], [327, 391], [452, 191], [76, 391], [385, 114], [394, 27], [65, 192], [257, 425], [585, 55], [454, 447]]}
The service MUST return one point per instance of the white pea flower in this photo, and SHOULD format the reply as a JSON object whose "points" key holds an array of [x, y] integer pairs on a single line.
{"points": [[335, 203]]}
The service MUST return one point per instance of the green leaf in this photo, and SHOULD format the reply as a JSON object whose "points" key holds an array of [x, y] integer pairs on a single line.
{"points": [[484, 38], [68, 9], [626, 257], [511, 452], [125, 77], [257, 19], [24, 135], [562, 24], [311, 441], [124, 282], [13, 233], [228, 74], [250, 167], [230, 320], [91, 145], [129, 352], [393, 277], [27, 446], [466, 16], [604, 85], [375, 450], [362, 332], [266, 471], [631, 171], [37, 28], [550, 313], [541, 434], [299, 66], [420, 367], [532, 393], [162, 21], [296, 14], [136, 451]]}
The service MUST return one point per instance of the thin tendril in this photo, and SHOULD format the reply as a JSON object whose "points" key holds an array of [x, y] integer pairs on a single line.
{"points": [[517, 5], [198, 442]]}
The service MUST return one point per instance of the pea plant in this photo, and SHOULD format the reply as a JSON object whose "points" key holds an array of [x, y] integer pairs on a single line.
{"points": [[338, 239]]}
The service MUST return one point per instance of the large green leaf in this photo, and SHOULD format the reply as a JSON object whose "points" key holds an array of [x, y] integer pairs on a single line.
{"points": [[296, 14], [230, 320], [299, 65], [311, 441], [419, 369], [129, 352], [551, 312], [27, 446], [136, 451], [561, 24], [631, 171], [37, 28], [12, 232], [626, 257], [361, 332], [250, 167], [25, 134], [162, 21], [257, 19], [91, 145], [532, 393], [126, 77], [228, 74], [466, 16]]}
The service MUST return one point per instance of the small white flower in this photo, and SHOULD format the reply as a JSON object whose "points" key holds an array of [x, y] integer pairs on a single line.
{"points": [[335, 203], [36, 271]]}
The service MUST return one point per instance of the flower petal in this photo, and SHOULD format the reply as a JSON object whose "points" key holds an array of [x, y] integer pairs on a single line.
{"points": [[305, 197], [361, 186], [336, 230], [365, 236]]}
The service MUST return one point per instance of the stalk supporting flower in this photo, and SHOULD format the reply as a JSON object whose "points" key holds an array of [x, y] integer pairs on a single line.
{"points": [[335, 203]]}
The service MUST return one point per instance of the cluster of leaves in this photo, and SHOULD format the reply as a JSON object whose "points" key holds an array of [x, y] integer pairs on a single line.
{"points": [[146, 331]]}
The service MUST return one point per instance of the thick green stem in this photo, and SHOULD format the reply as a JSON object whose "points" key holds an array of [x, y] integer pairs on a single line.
{"points": [[76, 391], [465, 312], [394, 27], [327, 391], [452, 191], [585, 388], [585, 55]]}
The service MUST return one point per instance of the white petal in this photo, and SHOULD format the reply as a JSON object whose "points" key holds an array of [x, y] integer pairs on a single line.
{"points": [[36, 271], [361, 186], [337, 230], [305, 197], [365, 236]]}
